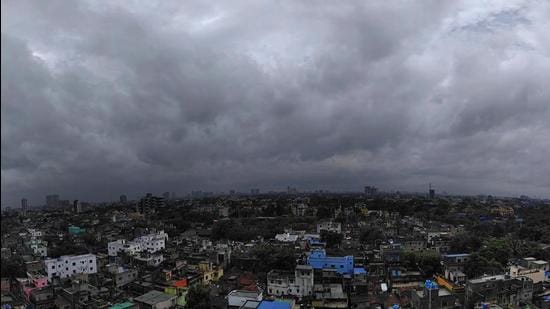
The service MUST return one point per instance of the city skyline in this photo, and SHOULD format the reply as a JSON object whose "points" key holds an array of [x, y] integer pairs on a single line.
{"points": [[100, 100]]}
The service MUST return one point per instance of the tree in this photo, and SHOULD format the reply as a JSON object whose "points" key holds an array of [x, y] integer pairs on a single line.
{"points": [[275, 257], [370, 234], [198, 297], [332, 239], [479, 265], [324, 212]]}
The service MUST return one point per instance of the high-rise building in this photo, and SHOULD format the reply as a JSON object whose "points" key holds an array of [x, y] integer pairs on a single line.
{"points": [[371, 190], [24, 206], [166, 195], [52, 200], [77, 207], [255, 191], [431, 192], [123, 198], [149, 202]]}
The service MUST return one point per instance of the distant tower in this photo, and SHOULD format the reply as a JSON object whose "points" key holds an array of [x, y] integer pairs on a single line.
{"points": [[166, 195], [123, 199], [370, 190], [431, 192], [24, 206], [77, 207]]}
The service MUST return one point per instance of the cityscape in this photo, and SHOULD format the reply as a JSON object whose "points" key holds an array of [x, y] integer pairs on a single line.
{"points": [[288, 154], [286, 249]]}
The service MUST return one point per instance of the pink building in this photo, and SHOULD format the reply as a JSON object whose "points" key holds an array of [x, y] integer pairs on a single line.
{"points": [[34, 281]]}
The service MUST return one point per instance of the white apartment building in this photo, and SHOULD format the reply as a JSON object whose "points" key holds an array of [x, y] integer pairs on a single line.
{"points": [[148, 243], [330, 226], [121, 245], [299, 283], [152, 242], [34, 233], [68, 265]]}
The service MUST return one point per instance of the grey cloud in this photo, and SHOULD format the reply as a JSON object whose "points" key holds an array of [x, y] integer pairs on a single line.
{"points": [[100, 99]]}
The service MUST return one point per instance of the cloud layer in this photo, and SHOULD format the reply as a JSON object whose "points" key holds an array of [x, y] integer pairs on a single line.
{"points": [[105, 98]]}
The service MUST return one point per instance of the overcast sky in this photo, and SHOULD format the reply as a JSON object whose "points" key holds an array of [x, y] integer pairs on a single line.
{"points": [[107, 98]]}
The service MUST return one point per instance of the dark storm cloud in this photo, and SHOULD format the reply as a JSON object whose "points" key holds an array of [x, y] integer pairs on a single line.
{"points": [[105, 98]]}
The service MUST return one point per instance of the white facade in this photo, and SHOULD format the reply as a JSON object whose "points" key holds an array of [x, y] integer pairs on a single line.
{"points": [[286, 237], [150, 243], [299, 283], [122, 245], [68, 265], [35, 233], [330, 226], [537, 275]]}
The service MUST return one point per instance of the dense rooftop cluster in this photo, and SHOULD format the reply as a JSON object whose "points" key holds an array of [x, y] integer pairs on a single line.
{"points": [[321, 250]]}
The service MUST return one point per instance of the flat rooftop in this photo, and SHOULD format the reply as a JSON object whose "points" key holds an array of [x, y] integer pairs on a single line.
{"points": [[244, 293], [153, 297], [488, 278], [456, 255]]}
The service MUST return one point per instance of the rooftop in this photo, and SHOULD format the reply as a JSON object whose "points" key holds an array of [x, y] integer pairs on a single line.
{"points": [[123, 305], [540, 262], [153, 297], [456, 255], [274, 304], [488, 278], [243, 293]]}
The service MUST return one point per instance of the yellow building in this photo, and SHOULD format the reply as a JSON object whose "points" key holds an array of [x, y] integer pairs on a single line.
{"points": [[210, 273]]}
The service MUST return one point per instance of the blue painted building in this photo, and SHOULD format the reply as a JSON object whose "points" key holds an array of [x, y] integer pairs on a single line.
{"points": [[318, 259]]}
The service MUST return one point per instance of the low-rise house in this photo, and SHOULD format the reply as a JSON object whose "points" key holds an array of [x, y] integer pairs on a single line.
{"points": [[237, 298], [329, 226], [453, 267], [318, 259], [155, 300], [433, 296], [500, 289]]}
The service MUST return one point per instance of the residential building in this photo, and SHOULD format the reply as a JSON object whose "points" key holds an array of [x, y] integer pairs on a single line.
{"points": [[453, 267], [150, 243], [68, 265], [502, 290], [318, 259], [299, 283], [155, 300], [434, 297], [330, 226], [237, 298]]}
